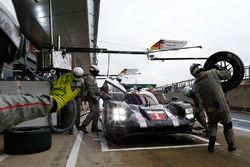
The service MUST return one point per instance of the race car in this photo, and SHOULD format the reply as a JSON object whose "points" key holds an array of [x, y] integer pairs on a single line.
{"points": [[127, 113]]}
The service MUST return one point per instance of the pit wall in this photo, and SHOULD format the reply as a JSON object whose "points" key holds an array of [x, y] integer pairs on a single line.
{"points": [[238, 98]]}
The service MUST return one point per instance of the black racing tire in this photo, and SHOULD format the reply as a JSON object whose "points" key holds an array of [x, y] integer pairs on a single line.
{"points": [[229, 61], [27, 140]]}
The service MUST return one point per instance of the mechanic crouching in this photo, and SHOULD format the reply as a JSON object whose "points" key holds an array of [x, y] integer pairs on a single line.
{"points": [[208, 87]]}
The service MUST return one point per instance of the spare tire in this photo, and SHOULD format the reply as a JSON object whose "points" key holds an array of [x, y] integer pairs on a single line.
{"points": [[27, 140], [229, 61]]}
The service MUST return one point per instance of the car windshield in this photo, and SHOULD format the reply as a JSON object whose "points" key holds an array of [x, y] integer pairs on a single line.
{"points": [[141, 99]]}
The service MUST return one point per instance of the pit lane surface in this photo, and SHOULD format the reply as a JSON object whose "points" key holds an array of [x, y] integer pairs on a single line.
{"points": [[88, 150], [241, 120]]}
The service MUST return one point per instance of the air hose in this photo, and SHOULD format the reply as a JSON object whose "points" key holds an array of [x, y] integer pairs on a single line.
{"points": [[71, 124], [27, 65]]}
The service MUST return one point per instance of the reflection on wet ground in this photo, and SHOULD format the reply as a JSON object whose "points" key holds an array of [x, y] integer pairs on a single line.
{"points": [[241, 124]]}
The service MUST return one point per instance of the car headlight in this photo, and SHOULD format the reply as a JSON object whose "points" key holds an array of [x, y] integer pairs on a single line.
{"points": [[119, 114], [189, 113]]}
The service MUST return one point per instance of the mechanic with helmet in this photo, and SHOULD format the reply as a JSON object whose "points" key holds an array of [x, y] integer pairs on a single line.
{"points": [[67, 112], [199, 112], [93, 96], [208, 87], [79, 81]]}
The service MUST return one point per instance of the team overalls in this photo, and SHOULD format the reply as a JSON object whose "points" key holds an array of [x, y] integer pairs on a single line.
{"points": [[208, 87]]}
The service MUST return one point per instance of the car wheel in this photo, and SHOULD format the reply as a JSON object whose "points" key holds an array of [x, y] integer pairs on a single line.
{"points": [[231, 62], [27, 140]]}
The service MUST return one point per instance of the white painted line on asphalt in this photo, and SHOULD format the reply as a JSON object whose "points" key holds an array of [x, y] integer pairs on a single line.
{"points": [[105, 148], [198, 137], [203, 139], [71, 162], [242, 129], [3, 157], [104, 144], [241, 120], [153, 148]]}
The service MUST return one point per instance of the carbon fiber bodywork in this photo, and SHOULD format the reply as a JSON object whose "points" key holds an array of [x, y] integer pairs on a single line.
{"points": [[138, 113]]}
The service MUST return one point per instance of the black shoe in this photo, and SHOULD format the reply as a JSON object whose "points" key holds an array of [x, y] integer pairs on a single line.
{"points": [[96, 130], [211, 144], [231, 147], [210, 147], [83, 129]]}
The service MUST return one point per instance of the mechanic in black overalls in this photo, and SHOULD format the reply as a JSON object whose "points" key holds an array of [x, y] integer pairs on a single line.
{"points": [[93, 96]]}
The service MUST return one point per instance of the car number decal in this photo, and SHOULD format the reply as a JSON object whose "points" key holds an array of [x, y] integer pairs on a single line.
{"points": [[156, 115]]}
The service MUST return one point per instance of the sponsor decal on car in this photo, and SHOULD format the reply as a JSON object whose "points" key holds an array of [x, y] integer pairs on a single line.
{"points": [[141, 120]]}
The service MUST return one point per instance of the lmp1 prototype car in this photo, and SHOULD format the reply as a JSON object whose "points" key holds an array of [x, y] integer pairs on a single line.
{"points": [[128, 113]]}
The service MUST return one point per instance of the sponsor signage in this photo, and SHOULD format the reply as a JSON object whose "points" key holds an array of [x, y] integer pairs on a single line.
{"points": [[127, 71], [168, 45]]}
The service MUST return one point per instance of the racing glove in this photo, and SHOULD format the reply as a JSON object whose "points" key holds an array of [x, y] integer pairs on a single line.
{"points": [[61, 91]]}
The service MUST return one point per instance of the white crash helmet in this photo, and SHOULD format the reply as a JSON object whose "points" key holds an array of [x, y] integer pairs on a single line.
{"points": [[195, 69], [187, 91], [78, 72]]}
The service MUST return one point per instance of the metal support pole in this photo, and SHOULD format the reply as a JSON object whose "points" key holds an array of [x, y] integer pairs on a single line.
{"points": [[51, 24], [58, 42], [150, 57], [180, 58]]}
